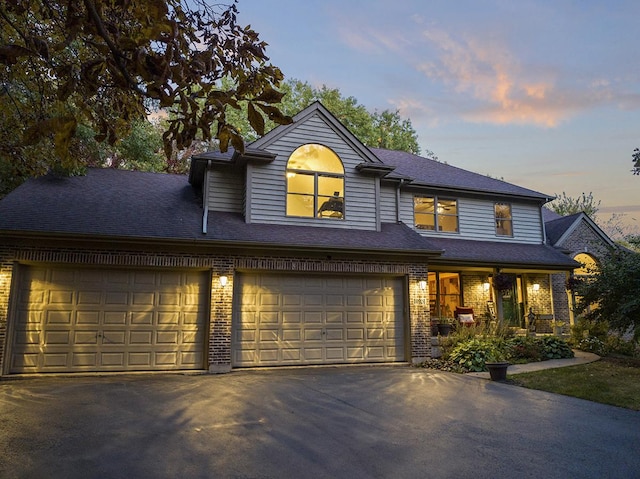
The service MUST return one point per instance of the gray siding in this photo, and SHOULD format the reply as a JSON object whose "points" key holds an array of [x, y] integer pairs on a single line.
{"points": [[268, 183], [388, 204], [476, 220], [226, 190]]}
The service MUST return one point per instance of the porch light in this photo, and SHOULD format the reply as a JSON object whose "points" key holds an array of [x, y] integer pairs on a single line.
{"points": [[423, 285], [223, 281], [486, 286], [536, 286]]}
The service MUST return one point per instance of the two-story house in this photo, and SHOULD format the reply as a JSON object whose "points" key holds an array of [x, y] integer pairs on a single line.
{"points": [[308, 248]]}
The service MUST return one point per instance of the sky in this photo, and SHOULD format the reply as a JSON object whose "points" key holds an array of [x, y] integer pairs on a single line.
{"points": [[543, 94]]}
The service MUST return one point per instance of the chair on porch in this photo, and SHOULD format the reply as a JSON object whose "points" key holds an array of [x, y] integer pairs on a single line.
{"points": [[464, 316]]}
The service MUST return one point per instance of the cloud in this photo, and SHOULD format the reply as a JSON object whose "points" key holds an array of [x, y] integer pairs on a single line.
{"points": [[493, 77]]}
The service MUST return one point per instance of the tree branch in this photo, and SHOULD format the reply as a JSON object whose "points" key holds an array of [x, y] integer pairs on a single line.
{"points": [[95, 16]]}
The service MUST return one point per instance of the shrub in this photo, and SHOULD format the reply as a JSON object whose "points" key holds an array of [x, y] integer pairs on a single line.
{"points": [[524, 349], [555, 348], [584, 329], [474, 353], [591, 344], [617, 345]]}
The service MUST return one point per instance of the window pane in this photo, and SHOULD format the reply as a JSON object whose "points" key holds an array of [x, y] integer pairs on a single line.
{"points": [[448, 223], [424, 212], [448, 207], [330, 207], [425, 222], [300, 205], [504, 225], [433, 295], [449, 293], [330, 186], [314, 157], [448, 215], [300, 183]]}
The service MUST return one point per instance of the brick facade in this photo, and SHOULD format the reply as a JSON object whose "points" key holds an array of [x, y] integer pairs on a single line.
{"points": [[222, 301], [583, 239]]}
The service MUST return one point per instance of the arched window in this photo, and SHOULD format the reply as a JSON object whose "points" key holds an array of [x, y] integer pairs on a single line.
{"points": [[589, 264], [315, 183]]}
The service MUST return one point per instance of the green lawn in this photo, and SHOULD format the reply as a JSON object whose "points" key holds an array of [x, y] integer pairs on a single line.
{"points": [[613, 381]]}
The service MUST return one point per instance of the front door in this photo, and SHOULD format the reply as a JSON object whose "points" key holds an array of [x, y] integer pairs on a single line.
{"points": [[513, 305]]}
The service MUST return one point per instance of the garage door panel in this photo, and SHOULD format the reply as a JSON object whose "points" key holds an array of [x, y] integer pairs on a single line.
{"points": [[312, 334], [291, 335], [335, 354], [85, 360], [268, 317], [291, 355], [269, 356], [291, 317], [313, 354], [27, 337], [142, 318], [312, 317], [114, 298], [54, 338], [334, 335], [85, 337], [336, 317], [58, 317], [321, 319], [87, 317], [120, 326]]}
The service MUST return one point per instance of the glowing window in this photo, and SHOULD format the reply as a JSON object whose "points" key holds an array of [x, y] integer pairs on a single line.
{"points": [[589, 265], [504, 222], [436, 214], [315, 183]]}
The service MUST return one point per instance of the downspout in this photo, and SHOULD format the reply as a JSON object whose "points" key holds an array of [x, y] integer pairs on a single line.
{"points": [[398, 200], [544, 228], [205, 199]]}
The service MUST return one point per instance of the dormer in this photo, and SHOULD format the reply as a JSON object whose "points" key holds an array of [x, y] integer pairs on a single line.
{"points": [[312, 172]]}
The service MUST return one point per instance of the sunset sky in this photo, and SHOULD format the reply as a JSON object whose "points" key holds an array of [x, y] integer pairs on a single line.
{"points": [[545, 94]]}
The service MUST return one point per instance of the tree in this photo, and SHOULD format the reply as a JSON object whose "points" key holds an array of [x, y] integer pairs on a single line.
{"points": [[566, 205], [636, 161], [101, 64], [614, 289], [384, 129]]}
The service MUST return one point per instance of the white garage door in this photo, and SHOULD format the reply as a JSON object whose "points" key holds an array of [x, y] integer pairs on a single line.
{"points": [[305, 319], [88, 319]]}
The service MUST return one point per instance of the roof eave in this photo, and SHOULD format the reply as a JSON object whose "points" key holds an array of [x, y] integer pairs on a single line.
{"points": [[206, 242]]}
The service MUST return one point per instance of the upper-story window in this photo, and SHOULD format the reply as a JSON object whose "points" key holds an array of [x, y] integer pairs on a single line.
{"points": [[504, 222], [437, 214], [315, 183]]}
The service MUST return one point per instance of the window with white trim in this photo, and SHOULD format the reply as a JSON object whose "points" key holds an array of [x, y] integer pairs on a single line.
{"points": [[504, 221], [436, 214], [315, 183]]}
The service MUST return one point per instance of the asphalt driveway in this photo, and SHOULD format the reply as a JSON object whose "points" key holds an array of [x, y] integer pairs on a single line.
{"points": [[351, 422]]}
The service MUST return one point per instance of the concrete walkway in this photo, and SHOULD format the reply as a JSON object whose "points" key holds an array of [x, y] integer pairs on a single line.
{"points": [[581, 357]]}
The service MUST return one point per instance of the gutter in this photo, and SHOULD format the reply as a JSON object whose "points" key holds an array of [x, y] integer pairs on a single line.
{"points": [[207, 244]]}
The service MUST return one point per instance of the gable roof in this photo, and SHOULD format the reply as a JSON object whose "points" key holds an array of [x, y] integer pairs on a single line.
{"points": [[549, 215], [318, 109], [422, 171], [559, 229]]}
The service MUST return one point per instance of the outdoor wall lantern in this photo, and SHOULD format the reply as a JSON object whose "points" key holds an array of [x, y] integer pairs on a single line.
{"points": [[536, 286], [223, 281], [423, 285], [486, 286]]}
